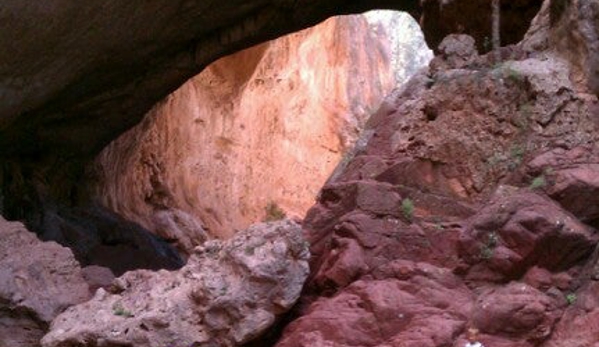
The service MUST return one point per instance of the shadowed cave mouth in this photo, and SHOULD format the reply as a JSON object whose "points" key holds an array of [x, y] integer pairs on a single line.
{"points": [[252, 138]]}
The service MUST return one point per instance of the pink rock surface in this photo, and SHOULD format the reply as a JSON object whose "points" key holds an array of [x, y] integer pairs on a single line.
{"points": [[227, 294], [262, 127], [38, 280]]}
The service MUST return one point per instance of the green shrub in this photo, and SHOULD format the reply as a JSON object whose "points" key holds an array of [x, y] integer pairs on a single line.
{"points": [[407, 208], [538, 182], [119, 310], [273, 212], [571, 298]]}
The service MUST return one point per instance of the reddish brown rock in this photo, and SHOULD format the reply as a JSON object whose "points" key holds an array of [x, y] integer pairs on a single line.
{"points": [[579, 324], [434, 156], [570, 177], [519, 229], [516, 311], [402, 303], [38, 280]]}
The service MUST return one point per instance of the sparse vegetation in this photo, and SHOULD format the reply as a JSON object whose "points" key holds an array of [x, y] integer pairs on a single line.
{"points": [[487, 251], [407, 208], [513, 75], [273, 212], [538, 182], [516, 154], [119, 310], [571, 298]]}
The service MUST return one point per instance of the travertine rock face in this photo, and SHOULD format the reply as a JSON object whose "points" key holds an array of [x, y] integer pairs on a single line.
{"points": [[227, 294], [257, 131], [38, 280]]}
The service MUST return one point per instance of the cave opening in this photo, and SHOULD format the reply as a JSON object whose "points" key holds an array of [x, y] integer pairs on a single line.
{"points": [[255, 136], [67, 198]]}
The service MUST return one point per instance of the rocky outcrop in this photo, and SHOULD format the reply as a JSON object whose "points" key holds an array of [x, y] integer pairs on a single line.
{"points": [[227, 294], [572, 180], [517, 230], [38, 280], [570, 28], [447, 203], [255, 135]]}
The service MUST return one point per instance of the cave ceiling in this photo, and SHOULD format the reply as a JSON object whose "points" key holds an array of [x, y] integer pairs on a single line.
{"points": [[76, 74]]}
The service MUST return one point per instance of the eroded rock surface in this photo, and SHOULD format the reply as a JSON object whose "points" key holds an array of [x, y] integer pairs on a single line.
{"points": [[227, 294], [456, 173], [258, 131], [38, 280]]}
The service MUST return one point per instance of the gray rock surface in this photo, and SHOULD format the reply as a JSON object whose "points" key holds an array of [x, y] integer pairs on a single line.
{"points": [[228, 293], [38, 280]]}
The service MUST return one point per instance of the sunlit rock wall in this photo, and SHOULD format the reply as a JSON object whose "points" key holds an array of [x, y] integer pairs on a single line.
{"points": [[256, 134]]}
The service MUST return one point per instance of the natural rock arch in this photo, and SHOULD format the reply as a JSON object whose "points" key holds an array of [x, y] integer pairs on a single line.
{"points": [[80, 74]]}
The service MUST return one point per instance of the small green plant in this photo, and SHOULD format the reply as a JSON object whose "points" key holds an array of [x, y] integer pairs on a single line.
{"points": [[513, 75], [517, 153], [273, 212], [493, 240], [538, 182], [487, 44], [571, 298], [119, 310], [407, 208], [487, 251]]}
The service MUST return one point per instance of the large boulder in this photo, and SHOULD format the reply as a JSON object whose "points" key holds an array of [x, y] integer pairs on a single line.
{"points": [[518, 229], [401, 304], [570, 177], [227, 294], [38, 281]]}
